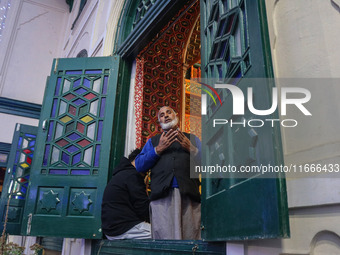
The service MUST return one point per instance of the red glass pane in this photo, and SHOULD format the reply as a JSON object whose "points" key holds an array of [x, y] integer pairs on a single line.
{"points": [[83, 142], [27, 151], [89, 96], [72, 110], [80, 128], [62, 142], [69, 96], [29, 160]]}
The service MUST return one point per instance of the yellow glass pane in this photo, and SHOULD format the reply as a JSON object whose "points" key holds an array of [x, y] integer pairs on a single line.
{"points": [[66, 119], [86, 119], [24, 165]]}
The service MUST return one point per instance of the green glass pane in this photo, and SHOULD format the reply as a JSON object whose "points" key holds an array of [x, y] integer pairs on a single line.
{"points": [[83, 110], [70, 127]]}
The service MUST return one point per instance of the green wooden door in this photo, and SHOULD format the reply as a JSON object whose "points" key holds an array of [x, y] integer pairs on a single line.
{"points": [[235, 48], [17, 176], [71, 164]]}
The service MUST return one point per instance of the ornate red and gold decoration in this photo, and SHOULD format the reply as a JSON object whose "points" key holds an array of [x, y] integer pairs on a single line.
{"points": [[161, 66]]}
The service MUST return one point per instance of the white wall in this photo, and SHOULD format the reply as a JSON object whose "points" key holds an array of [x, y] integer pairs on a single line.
{"points": [[8, 123], [95, 27], [32, 39], [305, 46]]}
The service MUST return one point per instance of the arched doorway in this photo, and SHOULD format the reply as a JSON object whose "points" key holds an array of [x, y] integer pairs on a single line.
{"points": [[161, 71]]}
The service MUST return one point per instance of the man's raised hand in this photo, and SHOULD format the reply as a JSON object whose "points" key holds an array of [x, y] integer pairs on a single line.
{"points": [[166, 140], [185, 143]]}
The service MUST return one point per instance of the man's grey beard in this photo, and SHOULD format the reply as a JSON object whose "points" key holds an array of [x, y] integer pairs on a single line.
{"points": [[169, 125]]}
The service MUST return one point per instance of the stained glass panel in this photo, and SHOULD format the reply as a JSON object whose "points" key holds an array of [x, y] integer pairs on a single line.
{"points": [[86, 100], [65, 168], [226, 38], [17, 177]]}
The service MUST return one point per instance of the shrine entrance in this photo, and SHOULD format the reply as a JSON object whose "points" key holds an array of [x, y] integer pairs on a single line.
{"points": [[163, 71]]}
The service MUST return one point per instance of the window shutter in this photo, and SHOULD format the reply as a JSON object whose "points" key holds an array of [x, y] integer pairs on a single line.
{"points": [[17, 178], [235, 46], [71, 164]]}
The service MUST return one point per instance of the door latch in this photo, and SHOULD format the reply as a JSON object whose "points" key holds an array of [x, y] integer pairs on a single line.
{"points": [[44, 125]]}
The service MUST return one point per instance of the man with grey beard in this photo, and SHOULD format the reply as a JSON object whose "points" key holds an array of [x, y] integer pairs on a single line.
{"points": [[175, 207]]}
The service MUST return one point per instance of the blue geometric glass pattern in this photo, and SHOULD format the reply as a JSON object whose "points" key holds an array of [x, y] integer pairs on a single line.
{"points": [[79, 101]]}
